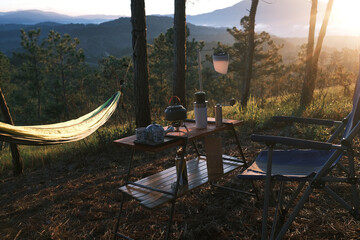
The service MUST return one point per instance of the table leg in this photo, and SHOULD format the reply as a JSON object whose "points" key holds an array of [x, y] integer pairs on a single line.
{"points": [[196, 148], [123, 198], [172, 210], [118, 220], [238, 145], [243, 158], [130, 164]]}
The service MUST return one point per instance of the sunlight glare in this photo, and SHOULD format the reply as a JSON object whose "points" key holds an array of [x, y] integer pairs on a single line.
{"points": [[346, 17]]}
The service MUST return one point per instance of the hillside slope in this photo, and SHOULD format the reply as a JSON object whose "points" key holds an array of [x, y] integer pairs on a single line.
{"points": [[109, 38]]}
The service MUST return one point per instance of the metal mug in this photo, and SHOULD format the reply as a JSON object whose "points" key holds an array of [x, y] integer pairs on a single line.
{"points": [[140, 134]]}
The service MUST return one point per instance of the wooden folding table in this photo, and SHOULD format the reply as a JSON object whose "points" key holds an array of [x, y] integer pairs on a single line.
{"points": [[163, 187]]}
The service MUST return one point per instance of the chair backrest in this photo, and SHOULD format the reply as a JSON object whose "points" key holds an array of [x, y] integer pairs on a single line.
{"points": [[355, 112]]}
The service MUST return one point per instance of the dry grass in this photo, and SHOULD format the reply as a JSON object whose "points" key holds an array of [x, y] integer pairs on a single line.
{"points": [[81, 200]]}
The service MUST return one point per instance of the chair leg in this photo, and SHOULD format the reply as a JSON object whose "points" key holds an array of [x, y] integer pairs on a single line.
{"points": [[277, 209], [354, 186], [338, 198], [356, 202], [293, 196], [267, 195], [307, 193], [295, 212]]}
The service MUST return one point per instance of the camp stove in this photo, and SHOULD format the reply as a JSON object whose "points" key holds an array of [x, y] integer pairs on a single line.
{"points": [[176, 114], [176, 125]]}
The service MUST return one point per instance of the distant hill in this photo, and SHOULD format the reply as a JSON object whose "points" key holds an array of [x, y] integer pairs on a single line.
{"points": [[108, 38], [114, 37], [31, 17], [283, 18]]}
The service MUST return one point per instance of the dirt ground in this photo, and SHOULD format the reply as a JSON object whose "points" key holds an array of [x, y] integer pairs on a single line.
{"points": [[79, 199]]}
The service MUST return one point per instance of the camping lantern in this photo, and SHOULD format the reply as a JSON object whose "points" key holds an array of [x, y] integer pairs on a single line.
{"points": [[221, 62]]}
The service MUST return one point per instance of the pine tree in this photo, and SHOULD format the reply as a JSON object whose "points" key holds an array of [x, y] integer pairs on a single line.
{"points": [[179, 70], [64, 62], [33, 69], [140, 59]]}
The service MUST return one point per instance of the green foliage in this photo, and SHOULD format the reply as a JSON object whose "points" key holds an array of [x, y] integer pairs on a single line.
{"points": [[50, 81], [31, 75], [56, 84], [64, 68], [6, 85], [50, 73], [161, 69], [330, 103], [116, 73], [5, 73], [161, 55], [258, 114], [53, 75], [192, 68], [267, 66]]}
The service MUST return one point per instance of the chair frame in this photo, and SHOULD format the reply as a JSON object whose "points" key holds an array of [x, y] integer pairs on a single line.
{"points": [[314, 182]]}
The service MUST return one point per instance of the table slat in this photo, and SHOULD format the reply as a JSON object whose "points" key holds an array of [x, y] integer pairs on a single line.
{"points": [[197, 176]]}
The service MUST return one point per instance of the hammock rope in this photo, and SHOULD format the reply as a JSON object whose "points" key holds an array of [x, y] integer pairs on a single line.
{"points": [[64, 132]]}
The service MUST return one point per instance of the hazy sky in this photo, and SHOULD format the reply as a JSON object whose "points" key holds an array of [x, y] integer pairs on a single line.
{"points": [[112, 7], [345, 17]]}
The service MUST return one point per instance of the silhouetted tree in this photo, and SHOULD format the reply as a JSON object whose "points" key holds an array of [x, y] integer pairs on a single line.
{"points": [[179, 51], [250, 53], [141, 72], [313, 56]]}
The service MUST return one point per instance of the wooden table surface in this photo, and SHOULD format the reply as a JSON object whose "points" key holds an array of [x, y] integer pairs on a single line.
{"points": [[173, 139]]}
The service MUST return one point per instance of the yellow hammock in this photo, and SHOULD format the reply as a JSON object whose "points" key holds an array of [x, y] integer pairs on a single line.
{"points": [[64, 132]]}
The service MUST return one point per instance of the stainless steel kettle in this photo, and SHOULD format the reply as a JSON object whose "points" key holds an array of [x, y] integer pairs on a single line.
{"points": [[175, 112]]}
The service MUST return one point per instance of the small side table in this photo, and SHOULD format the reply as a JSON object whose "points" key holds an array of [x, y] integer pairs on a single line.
{"points": [[159, 188]]}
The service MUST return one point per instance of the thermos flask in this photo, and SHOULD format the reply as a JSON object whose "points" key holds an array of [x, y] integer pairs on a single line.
{"points": [[218, 115]]}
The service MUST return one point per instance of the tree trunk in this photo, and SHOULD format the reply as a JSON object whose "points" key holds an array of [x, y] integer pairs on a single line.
{"points": [[306, 94], [179, 51], [16, 159], [311, 70], [250, 54], [321, 40], [141, 71]]}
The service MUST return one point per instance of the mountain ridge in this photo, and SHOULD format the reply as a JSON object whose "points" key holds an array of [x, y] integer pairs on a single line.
{"points": [[34, 16], [107, 38], [292, 17], [113, 37]]}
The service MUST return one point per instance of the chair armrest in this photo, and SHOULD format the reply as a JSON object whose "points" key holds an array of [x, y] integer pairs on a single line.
{"points": [[317, 121], [300, 143]]}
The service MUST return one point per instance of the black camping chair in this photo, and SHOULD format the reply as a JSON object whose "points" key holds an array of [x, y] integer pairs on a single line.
{"points": [[312, 162]]}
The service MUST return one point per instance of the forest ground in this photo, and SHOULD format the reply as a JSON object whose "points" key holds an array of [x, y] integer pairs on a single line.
{"points": [[79, 200]]}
